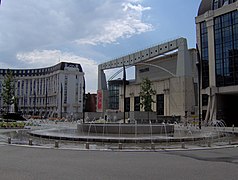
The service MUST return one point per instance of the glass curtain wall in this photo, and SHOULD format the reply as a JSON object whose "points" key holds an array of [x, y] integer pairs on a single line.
{"points": [[226, 49], [204, 55]]}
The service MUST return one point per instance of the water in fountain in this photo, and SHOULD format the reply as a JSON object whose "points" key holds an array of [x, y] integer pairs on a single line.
{"points": [[165, 133], [219, 126], [89, 131], [143, 135]]}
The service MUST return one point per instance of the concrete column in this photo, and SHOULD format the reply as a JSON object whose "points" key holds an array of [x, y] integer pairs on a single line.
{"points": [[102, 91], [102, 83], [183, 62], [211, 51]]}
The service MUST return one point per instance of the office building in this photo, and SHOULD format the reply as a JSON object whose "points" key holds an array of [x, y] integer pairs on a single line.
{"points": [[217, 39], [55, 91], [170, 66]]}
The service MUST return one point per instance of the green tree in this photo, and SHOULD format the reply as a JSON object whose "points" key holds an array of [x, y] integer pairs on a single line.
{"points": [[146, 94], [8, 90]]}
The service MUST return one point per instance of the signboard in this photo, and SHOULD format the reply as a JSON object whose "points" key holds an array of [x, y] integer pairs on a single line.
{"points": [[99, 100]]}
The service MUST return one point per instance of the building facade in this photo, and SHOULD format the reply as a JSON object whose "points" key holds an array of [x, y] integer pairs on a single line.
{"points": [[55, 91], [170, 66], [217, 39], [90, 102]]}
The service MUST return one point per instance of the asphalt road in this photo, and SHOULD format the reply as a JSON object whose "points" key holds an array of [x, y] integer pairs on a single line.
{"points": [[27, 163]]}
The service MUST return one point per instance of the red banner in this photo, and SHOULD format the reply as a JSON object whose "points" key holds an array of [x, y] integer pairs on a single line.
{"points": [[99, 99]]}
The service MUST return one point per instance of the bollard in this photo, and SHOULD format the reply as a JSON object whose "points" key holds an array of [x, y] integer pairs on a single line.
{"points": [[209, 144], [233, 128], [9, 140], [119, 145], [183, 145], [56, 144], [230, 142], [30, 142], [152, 146], [87, 145]]}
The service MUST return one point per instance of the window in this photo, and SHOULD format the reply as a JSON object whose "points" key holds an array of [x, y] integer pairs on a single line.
{"points": [[215, 4], [137, 103], [220, 3], [160, 104], [226, 49], [65, 88], [127, 108], [225, 2], [204, 55], [204, 100], [114, 95]]}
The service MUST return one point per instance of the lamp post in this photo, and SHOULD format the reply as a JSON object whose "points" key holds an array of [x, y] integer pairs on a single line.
{"points": [[61, 100], [46, 97], [24, 104], [198, 64], [84, 103], [124, 92], [34, 102]]}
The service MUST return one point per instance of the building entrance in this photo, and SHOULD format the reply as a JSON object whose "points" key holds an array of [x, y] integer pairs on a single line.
{"points": [[227, 108]]}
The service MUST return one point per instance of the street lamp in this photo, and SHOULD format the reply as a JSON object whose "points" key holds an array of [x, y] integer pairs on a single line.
{"points": [[198, 64], [61, 100], [124, 92], [84, 100], [34, 102]]}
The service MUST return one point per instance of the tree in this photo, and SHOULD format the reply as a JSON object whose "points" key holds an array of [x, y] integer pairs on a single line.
{"points": [[146, 94], [8, 90]]}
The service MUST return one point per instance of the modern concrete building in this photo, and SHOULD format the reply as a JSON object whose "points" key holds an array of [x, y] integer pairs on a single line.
{"points": [[52, 91], [217, 39], [170, 66]]}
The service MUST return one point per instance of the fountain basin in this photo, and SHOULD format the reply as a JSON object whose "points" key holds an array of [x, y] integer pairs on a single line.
{"points": [[115, 128], [74, 135]]}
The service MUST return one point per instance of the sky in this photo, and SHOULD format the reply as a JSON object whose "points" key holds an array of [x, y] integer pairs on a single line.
{"points": [[38, 34]]}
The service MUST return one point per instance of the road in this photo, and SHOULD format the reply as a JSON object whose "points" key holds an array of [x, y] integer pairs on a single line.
{"points": [[27, 163]]}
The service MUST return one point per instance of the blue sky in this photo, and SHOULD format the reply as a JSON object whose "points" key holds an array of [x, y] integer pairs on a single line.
{"points": [[35, 34]]}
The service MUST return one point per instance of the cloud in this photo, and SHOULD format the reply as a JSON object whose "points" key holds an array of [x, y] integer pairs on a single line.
{"points": [[126, 25], [137, 8], [37, 33], [32, 24], [44, 58], [121, 28]]}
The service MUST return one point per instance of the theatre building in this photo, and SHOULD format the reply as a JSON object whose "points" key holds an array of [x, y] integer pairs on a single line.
{"points": [[170, 66], [217, 38], [55, 91]]}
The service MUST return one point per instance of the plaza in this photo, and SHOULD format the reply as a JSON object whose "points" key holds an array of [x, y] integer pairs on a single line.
{"points": [[199, 82], [25, 163]]}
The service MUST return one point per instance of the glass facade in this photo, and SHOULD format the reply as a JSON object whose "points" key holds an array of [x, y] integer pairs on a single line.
{"points": [[226, 49], [204, 55], [219, 3], [114, 95]]}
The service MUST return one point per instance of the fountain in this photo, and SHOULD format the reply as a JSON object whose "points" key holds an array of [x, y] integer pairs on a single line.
{"points": [[134, 135], [124, 132]]}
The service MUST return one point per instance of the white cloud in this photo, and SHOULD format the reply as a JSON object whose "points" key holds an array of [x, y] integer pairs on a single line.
{"points": [[128, 24], [44, 58], [113, 30], [137, 8], [42, 33], [40, 58]]}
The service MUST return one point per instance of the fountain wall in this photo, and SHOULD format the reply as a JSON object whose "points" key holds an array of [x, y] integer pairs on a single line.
{"points": [[115, 128]]}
